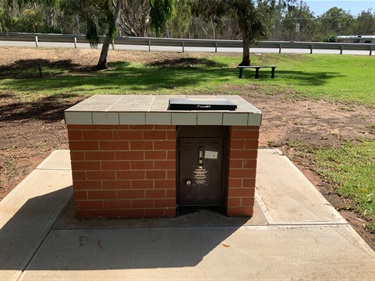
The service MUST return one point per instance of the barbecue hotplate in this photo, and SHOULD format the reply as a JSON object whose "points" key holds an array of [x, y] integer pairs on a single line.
{"points": [[200, 104]]}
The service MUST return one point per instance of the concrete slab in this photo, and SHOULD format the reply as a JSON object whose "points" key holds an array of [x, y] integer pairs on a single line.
{"points": [[286, 196], [294, 235], [29, 211], [209, 253]]}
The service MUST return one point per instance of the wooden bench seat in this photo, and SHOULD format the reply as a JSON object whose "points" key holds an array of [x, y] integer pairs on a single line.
{"points": [[257, 67]]}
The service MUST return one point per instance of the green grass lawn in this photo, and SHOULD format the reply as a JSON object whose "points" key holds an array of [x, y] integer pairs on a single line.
{"points": [[352, 169], [330, 77], [339, 78]]}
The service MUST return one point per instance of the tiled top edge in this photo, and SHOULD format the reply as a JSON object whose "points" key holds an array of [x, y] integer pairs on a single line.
{"points": [[153, 110]]}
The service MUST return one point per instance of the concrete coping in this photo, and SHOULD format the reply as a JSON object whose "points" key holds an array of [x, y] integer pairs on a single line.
{"points": [[153, 110]]}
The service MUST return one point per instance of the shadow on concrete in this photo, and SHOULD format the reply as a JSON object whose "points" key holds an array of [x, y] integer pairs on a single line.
{"points": [[21, 236], [32, 243]]}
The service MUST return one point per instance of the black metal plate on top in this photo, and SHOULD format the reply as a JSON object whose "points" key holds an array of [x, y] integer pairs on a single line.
{"points": [[200, 104]]}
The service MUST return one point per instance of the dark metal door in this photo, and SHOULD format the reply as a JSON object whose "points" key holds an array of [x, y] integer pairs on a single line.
{"points": [[200, 171]]}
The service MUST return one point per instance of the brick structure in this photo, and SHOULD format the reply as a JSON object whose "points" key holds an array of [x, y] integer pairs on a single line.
{"points": [[129, 170]]}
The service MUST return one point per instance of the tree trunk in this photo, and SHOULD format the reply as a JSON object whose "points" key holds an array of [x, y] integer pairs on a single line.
{"points": [[245, 52], [102, 63]]}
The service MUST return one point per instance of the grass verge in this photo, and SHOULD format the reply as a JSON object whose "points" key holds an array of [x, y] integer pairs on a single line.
{"points": [[351, 170]]}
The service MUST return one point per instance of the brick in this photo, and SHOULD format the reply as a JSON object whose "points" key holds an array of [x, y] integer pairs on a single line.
{"points": [[240, 212], [80, 195], [83, 145], [101, 194], [77, 156], [140, 213], [155, 175], [128, 135], [171, 135], [99, 155], [243, 154], [130, 175], [117, 204], [154, 213], [165, 127], [82, 214], [97, 135], [251, 144], [248, 182], [107, 214], [249, 164], [155, 135], [233, 183], [101, 175], [131, 194], [240, 192], [236, 144], [74, 135], [84, 165], [142, 165], [113, 127], [171, 193], [155, 155], [235, 164], [89, 205], [141, 127], [141, 145], [165, 165], [234, 202], [165, 184], [241, 173], [155, 194], [165, 203], [129, 155], [247, 202], [164, 145], [81, 127], [142, 184], [115, 165], [244, 134], [170, 212], [78, 175], [171, 155], [114, 145], [87, 185], [171, 174], [116, 184], [136, 204]]}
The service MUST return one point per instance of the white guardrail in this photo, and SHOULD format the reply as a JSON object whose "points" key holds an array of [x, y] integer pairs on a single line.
{"points": [[173, 42]]}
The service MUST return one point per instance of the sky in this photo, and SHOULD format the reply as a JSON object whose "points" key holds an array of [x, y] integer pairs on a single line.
{"points": [[353, 6]]}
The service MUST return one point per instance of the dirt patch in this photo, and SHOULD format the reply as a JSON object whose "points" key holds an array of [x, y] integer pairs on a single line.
{"points": [[30, 131]]}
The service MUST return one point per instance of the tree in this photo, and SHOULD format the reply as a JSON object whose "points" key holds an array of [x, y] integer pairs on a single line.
{"points": [[161, 11], [253, 18], [336, 22], [365, 23], [179, 24]]}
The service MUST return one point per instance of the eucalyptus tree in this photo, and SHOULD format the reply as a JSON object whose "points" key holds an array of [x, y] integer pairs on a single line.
{"points": [[253, 18]]}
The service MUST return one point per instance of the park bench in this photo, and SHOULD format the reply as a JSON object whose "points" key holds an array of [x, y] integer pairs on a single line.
{"points": [[257, 67]]}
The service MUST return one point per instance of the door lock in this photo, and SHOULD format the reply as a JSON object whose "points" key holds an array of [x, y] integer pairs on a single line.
{"points": [[188, 182]]}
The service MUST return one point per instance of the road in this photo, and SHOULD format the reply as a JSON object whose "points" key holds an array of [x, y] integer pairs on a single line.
{"points": [[179, 49]]}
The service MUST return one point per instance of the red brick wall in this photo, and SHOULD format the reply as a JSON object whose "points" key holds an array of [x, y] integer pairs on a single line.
{"points": [[130, 170], [123, 171], [243, 151]]}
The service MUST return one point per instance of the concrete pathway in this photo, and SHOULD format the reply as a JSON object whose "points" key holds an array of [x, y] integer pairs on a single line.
{"points": [[295, 234]]}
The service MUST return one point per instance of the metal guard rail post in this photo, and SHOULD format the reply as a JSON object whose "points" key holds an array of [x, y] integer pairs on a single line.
{"points": [[75, 39]]}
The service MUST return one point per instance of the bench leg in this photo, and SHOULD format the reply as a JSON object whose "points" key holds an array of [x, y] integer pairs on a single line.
{"points": [[256, 73], [273, 72], [241, 72]]}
